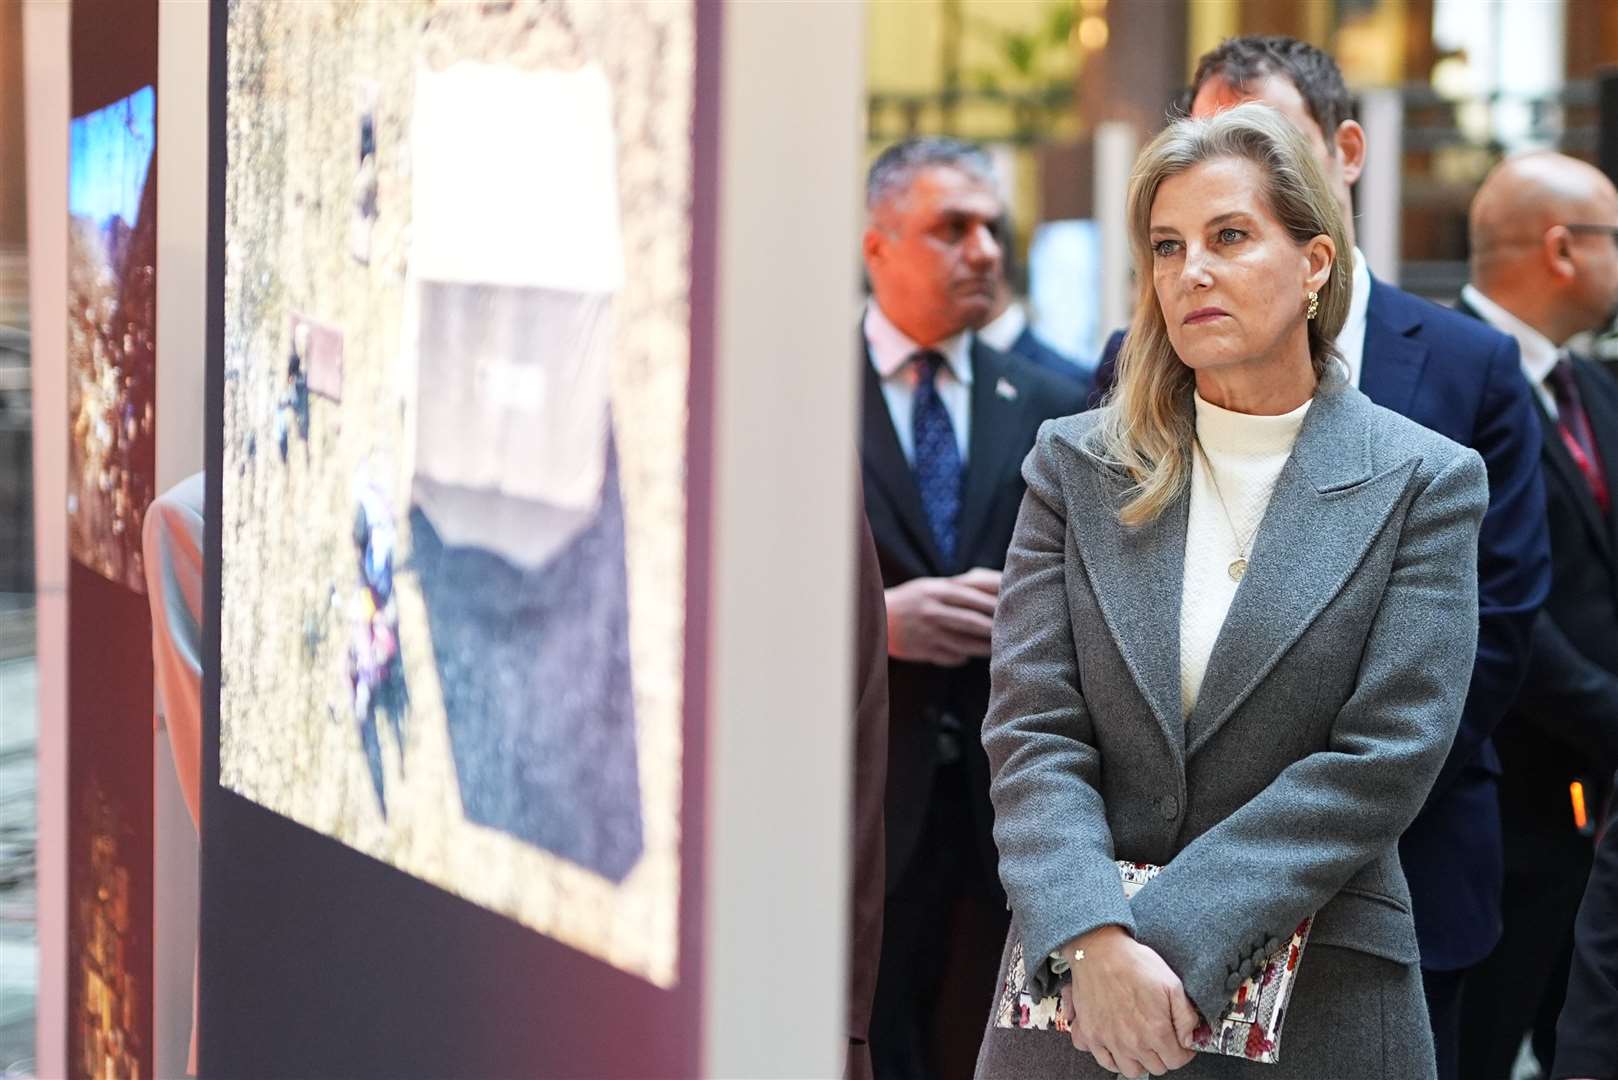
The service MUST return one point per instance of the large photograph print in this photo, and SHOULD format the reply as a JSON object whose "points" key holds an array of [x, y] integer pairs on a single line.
{"points": [[456, 359], [112, 290]]}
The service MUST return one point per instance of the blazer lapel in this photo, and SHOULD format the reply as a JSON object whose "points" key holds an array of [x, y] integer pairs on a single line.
{"points": [[1561, 461], [885, 463], [1136, 575], [1392, 360], [1326, 511], [1602, 420], [997, 409]]}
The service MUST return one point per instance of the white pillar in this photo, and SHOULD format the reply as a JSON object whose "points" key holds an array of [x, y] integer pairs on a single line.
{"points": [[45, 61], [1115, 148], [1376, 224], [792, 84], [182, 250]]}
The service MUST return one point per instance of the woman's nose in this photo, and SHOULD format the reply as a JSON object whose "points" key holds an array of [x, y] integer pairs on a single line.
{"points": [[1195, 271]]}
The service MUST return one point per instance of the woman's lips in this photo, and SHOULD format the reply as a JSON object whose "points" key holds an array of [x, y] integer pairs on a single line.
{"points": [[1204, 315]]}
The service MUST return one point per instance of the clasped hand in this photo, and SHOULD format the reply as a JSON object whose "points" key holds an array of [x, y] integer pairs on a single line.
{"points": [[1126, 1007], [943, 621]]}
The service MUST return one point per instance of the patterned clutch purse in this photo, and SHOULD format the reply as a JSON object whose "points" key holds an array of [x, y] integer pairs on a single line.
{"points": [[1250, 1027]]}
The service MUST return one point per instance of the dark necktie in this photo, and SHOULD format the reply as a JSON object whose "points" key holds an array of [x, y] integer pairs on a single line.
{"points": [[1574, 425], [938, 458]]}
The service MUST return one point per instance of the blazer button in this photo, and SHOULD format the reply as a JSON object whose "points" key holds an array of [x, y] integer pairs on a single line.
{"points": [[1169, 807], [1246, 969], [1233, 981], [1272, 946]]}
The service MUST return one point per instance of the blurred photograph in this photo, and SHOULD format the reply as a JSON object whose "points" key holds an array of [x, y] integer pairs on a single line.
{"points": [[456, 370], [112, 291]]}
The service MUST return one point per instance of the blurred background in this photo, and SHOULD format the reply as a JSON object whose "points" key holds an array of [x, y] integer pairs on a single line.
{"points": [[1061, 89], [18, 947], [1062, 92]]}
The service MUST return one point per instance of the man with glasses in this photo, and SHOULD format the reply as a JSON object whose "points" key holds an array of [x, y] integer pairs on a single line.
{"points": [[1544, 231]]}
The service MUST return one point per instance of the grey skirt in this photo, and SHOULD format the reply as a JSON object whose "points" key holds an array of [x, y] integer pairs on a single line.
{"points": [[1353, 1017]]}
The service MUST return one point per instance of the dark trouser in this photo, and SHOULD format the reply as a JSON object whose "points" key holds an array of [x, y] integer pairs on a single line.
{"points": [[1443, 992], [943, 926], [1508, 994]]}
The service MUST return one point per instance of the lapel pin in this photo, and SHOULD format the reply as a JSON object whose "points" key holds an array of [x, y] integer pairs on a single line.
{"points": [[1004, 389]]}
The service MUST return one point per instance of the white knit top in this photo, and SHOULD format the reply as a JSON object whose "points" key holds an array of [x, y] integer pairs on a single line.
{"points": [[1247, 453]]}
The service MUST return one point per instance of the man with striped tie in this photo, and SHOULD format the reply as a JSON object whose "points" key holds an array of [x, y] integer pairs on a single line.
{"points": [[947, 423]]}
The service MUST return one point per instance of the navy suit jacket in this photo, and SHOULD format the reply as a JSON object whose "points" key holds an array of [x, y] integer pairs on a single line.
{"points": [[1463, 379], [1036, 352]]}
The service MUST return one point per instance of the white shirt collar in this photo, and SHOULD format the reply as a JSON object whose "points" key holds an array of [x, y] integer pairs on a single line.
{"points": [[1539, 353], [1351, 338], [1002, 331], [891, 348]]}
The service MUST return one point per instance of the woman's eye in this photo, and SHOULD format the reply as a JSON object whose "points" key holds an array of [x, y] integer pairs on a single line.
{"points": [[1230, 236], [1165, 248]]}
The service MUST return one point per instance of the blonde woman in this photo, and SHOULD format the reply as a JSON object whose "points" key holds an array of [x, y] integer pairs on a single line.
{"points": [[1235, 633]]}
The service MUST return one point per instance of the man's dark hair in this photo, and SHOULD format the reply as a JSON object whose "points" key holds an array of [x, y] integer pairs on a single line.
{"points": [[896, 167], [1241, 60]]}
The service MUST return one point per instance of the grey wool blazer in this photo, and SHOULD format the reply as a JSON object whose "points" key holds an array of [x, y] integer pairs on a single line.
{"points": [[1331, 697]]}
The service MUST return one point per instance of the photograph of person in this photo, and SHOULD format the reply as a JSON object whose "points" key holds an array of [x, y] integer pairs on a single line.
{"points": [[456, 396]]}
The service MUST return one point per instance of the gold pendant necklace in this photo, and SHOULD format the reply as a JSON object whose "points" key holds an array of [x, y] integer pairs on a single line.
{"points": [[1238, 566]]}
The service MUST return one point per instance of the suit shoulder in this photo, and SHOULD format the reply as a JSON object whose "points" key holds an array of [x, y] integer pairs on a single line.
{"points": [[1054, 393], [1448, 334], [1071, 432], [1395, 439]]}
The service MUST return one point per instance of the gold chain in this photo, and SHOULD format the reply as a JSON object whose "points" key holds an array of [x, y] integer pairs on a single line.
{"points": [[1238, 566]]}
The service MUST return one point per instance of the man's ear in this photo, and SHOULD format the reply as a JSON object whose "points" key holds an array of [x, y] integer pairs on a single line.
{"points": [[1556, 250], [1350, 147], [873, 244]]}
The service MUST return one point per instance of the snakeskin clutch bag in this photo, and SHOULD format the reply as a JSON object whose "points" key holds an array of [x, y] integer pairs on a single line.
{"points": [[1250, 1027]]}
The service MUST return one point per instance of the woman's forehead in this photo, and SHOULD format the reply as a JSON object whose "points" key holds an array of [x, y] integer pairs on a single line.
{"points": [[1210, 189]]}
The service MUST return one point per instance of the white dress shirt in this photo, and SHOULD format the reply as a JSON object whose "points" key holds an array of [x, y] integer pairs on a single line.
{"points": [[891, 351], [1351, 338], [1002, 331], [1539, 353]]}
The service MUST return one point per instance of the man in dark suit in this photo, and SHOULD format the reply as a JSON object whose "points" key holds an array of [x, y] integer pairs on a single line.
{"points": [[1008, 329], [1545, 267], [1587, 1033], [1462, 380], [947, 423]]}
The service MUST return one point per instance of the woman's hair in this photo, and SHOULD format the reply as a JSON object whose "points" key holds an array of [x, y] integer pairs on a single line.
{"points": [[1149, 418]]}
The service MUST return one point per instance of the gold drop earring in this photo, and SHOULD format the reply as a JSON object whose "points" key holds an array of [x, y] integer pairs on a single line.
{"points": [[1314, 305]]}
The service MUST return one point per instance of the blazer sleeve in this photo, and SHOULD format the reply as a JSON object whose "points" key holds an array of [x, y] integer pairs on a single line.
{"points": [[1514, 556], [1587, 1033], [1289, 850], [1043, 761]]}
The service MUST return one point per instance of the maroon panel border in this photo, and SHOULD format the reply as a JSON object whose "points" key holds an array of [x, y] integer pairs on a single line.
{"points": [[112, 54]]}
